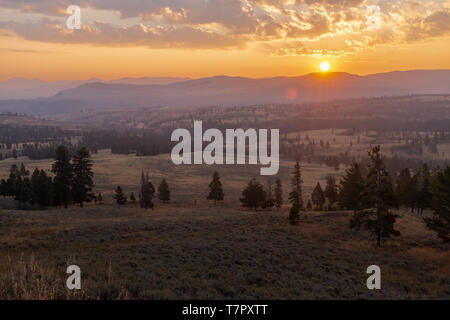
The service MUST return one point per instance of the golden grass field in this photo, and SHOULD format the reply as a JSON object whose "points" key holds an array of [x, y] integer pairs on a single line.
{"points": [[191, 249]]}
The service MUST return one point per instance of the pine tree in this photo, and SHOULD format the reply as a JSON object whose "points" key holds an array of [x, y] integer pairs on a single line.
{"points": [[132, 198], [295, 196], [41, 188], [424, 194], [309, 205], [215, 189], [406, 192], [146, 192], [82, 177], [22, 190], [351, 189], [23, 172], [270, 202], [380, 198], [164, 191], [253, 195], [440, 221], [120, 197], [62, 168], [318, 197], [331, 192], [278, 193], [100, 198]]}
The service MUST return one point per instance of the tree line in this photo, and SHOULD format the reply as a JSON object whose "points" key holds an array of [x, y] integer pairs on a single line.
{"points": [[72, 181], [370, 192]]}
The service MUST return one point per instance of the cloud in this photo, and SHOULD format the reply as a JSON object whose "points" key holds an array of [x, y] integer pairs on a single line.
{"points": [[206, 24]]}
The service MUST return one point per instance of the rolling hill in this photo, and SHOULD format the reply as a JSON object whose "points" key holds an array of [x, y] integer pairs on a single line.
{"points": [[231, 91]]}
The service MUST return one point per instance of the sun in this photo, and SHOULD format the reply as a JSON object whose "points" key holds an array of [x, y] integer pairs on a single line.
{"points": [[324, 66]]}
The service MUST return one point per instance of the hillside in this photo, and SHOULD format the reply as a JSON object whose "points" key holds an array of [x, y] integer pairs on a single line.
{"points": [[231, 91]]}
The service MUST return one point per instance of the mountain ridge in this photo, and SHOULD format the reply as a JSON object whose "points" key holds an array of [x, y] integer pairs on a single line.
{"points": [[233, 91]]}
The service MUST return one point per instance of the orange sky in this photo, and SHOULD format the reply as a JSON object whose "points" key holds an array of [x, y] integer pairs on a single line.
{"points": [[130, 44]]}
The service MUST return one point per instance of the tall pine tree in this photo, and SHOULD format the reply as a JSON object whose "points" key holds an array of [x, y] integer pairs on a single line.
{"points": [[146, 192], [440, 221], [82, 177], [380, 198], [295, 196], [278, 193], [351, 189], [62, 168]]}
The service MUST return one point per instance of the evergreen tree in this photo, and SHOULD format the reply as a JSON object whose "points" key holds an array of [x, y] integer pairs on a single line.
{"points": [[309, 205], [440, 221], [23, 190], [406, 193], [146, 192], [132, 198], [120, 197], [380, 198], [41, 187], [163, 191], [424, 194], [331, 192], [100, 198], [62, 168], [23, 172], [278, 193], [82, 177], [295, 196], [215, 189], [270, 202], [318, 197], [253, 195], [351, 189]]}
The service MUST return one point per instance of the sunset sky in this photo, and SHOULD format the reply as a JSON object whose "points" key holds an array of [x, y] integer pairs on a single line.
{"points": [[198, 38]]}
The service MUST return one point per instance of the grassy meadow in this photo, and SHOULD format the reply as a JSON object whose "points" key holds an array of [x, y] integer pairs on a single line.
{"points": [[191, 249]]}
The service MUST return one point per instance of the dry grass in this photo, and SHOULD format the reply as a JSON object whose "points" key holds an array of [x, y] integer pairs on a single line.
{"points": [[192, 250], [213, 253]]}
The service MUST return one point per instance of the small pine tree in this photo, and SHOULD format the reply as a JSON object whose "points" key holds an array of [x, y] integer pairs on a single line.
{"points": [[120, 197], [440, 221], [100, 198], [270, 202], [132, 198], [318, 197], [215, 189], [146, 193], [253, 195], [278, 193], [164, 191], [424, 193], [331, 192]]}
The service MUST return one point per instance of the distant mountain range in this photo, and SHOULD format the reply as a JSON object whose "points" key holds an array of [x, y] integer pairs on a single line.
{"points": [[21, 88], [229, 91]]}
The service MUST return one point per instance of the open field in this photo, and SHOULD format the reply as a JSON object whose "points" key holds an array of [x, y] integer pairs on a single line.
{"points": [[191, 249], [217, 252], [188, 183]]}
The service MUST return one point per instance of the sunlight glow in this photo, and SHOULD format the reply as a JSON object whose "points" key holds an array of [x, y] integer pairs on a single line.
{"points": [[324, 66]]}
